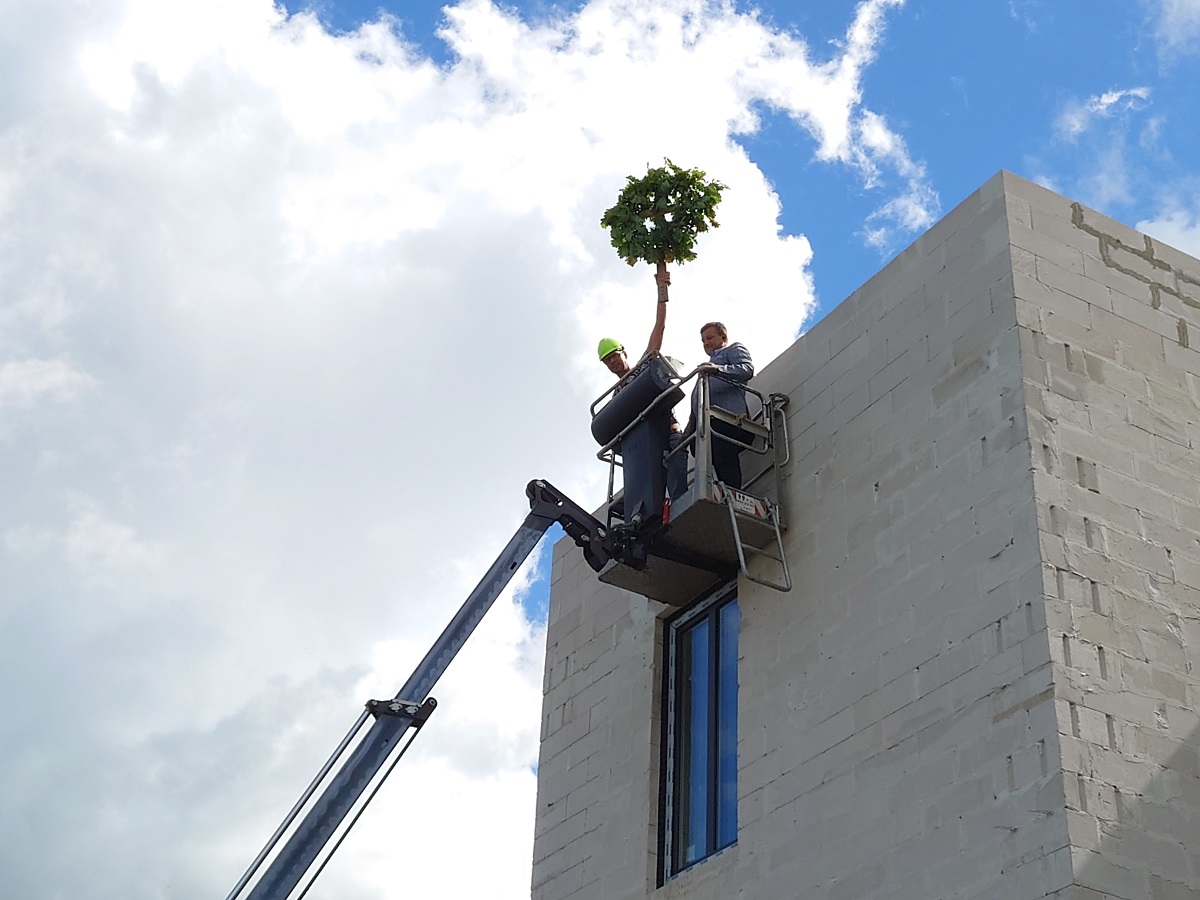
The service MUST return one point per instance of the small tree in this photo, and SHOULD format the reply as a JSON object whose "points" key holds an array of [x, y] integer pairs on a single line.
{"points": [[656, 218]]}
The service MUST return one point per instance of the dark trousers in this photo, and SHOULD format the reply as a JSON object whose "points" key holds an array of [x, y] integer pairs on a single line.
{"points": [[676, 468], [726, 457]]}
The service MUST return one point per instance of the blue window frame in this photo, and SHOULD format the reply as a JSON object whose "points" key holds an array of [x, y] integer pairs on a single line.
{"points": [[700, 797]]}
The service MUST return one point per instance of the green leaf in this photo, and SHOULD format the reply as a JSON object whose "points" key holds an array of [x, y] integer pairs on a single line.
{"points": [[657, 218]]}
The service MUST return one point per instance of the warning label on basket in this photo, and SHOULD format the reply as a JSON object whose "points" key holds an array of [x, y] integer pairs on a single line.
{"points": [[743, 503]]}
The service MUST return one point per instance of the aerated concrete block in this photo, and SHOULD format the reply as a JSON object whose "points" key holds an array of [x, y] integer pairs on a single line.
{"points": [[982, 683]]}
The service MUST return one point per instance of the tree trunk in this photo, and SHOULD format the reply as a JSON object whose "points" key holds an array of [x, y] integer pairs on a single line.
{"points": [[663, 280]]}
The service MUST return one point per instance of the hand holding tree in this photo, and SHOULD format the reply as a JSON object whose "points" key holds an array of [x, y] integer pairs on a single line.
{"points": [[656, 218]]}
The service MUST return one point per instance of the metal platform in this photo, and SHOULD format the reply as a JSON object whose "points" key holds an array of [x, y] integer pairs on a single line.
{"points": [[710, 532], [665, 580], [698, 549]]}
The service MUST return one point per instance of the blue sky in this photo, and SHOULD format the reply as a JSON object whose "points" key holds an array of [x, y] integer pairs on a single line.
{"points": [[971, 88], [293, 304]]}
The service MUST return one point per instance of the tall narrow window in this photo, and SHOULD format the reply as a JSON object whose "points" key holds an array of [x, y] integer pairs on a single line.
{"points": [[701, 744]]}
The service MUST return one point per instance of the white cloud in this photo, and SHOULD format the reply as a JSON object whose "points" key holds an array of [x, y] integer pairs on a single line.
{"points": [[25, 383], [826, 99], [1107, 182], [1078, 116], [912, 211], [1101, 130], [290, 320], [1178, 26], [96, 545], [1028, 13], [1177, 227]]}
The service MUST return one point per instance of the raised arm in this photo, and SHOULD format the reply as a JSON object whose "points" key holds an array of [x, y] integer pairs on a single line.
{"points": [[660, 316]]}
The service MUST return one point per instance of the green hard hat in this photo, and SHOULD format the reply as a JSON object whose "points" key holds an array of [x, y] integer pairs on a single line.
{"points": [[607, 346]]}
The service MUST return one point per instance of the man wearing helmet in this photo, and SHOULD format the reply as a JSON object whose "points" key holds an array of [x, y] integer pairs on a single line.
{"points": [[613, 355]]}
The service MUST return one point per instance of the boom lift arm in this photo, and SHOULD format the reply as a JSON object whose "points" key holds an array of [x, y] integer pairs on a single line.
{"points": [[410, 706]]}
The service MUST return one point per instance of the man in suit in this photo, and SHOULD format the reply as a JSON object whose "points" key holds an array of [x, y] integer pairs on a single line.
{"points": [[732, 361]]}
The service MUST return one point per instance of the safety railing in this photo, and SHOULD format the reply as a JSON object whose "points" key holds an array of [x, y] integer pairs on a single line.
{"points": [[766, 424]]}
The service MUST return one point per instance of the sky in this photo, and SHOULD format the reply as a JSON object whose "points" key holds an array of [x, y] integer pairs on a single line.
{"points": [[294, 301]]}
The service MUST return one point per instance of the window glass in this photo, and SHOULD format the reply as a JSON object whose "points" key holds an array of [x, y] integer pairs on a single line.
{"points": [[726, 726], [701, 741], [695, 761]]}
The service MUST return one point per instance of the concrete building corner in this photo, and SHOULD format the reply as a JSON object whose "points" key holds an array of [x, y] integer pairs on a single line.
{"points": [[983, 683]]}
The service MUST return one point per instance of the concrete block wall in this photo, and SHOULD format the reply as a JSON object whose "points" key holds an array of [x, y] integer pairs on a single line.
{"points": [[595, 834], [898, 729], [1108, 318], [910, 724]]}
